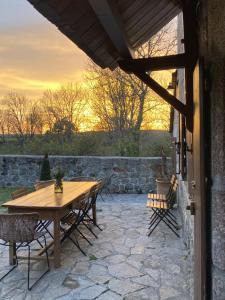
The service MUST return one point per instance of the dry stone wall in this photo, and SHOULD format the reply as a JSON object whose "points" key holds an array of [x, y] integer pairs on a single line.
{"points": [[129, 174]]}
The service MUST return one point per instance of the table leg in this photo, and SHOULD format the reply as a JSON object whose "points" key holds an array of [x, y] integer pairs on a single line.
{"points": [[12, 250], [57, 245], [12, 253], [94, 215]]}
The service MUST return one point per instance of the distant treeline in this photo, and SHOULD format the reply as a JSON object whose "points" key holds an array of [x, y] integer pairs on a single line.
{"points": [[149, 143]]}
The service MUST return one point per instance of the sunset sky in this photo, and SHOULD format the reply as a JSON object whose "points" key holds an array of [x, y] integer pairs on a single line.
{"points": [[34, 55]]}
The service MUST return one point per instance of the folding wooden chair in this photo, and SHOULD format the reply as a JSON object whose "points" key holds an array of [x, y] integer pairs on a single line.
{"points": [[105, 181], [70, 224], [93, 195], [162, 211], [95, 191], [155, 196]]}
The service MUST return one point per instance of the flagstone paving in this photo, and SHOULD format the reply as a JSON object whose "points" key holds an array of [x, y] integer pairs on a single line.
{"points": [[123, 262]]}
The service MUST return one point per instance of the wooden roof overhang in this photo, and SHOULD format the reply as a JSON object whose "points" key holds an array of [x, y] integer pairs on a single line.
{"points": [[109, 31]]}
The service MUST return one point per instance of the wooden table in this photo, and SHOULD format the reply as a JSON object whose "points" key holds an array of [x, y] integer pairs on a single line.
{"points": [[50, 206]]}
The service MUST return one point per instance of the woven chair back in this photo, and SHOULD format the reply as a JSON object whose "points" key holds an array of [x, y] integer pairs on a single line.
{"points": [[18, 227], [82, 178], [19, 193], [40, 185]]}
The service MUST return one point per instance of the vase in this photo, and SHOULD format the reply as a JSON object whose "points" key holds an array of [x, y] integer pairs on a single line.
{"points": [[58, 186], [162, 185]]}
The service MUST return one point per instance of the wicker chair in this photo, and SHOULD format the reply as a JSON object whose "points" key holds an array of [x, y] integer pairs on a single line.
{"points": [[42, 224], [19, 193], [18, 230], [82, 178], [42, 184]]}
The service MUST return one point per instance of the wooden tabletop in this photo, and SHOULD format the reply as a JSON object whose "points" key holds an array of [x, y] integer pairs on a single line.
{"points": [[46, 198]]}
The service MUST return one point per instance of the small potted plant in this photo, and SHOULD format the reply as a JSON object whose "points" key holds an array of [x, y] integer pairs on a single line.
{"points": [[163, 182], [58, 181]]}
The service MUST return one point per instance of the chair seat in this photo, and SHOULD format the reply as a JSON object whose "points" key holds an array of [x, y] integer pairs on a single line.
{"points": [[157, 204], [39, 234], [69, 219], [157, 197]]}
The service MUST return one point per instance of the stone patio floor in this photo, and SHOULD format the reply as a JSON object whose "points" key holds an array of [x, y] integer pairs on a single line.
{"points": [[123, 262]]}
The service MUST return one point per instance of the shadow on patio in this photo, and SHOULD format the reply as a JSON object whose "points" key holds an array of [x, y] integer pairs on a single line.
{"points": [[123, 262]]}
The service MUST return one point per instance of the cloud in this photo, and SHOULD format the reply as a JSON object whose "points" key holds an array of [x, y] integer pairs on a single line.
{"points": [[35, 56]]}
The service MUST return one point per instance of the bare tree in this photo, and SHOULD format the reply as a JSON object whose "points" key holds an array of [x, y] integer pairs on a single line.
{"points": [[22, 116], [66, 103], [121, 101], [17, 110], [3, 128], [34, 119]]}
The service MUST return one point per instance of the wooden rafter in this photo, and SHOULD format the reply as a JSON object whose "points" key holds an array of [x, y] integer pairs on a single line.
{"points": [[110, 19], [153, 63], [162, 92], [191, 48]]}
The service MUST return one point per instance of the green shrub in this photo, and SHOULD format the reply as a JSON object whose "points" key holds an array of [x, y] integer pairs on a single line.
{"points": [[45, 169], [145, 143]]}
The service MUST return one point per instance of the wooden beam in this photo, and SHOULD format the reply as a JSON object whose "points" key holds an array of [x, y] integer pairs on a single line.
{"points": [[191, 48], [153, 63], [110, 19], [162, 92]]}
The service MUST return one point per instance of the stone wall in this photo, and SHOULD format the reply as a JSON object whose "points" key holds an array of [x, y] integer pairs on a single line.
{"points": [[129, 174], [213, 48], [211, 28]]}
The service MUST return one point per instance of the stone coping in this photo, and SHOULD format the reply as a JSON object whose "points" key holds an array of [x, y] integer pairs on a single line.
{"points": [[86, 156]]}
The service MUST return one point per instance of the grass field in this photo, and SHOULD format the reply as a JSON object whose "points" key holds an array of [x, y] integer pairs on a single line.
{"points": [[5, 194], [92, 143]]}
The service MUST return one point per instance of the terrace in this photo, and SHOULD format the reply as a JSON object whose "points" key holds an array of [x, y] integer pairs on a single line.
{"points": [[123, 263], [110, 32]]}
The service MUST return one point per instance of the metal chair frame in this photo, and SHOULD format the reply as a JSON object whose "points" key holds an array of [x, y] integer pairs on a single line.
{"points": [[21, 244], [166, 198], [76, 217], [94, 195], [104, 186], [162, 211], [42, 224]]}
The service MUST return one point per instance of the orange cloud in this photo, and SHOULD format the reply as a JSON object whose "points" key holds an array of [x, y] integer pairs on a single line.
{"points": [[37, 56]]}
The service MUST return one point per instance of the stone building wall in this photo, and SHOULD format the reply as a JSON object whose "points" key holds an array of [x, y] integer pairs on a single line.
{"points": [[129, 174], [212, 46], [211, 28]]}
